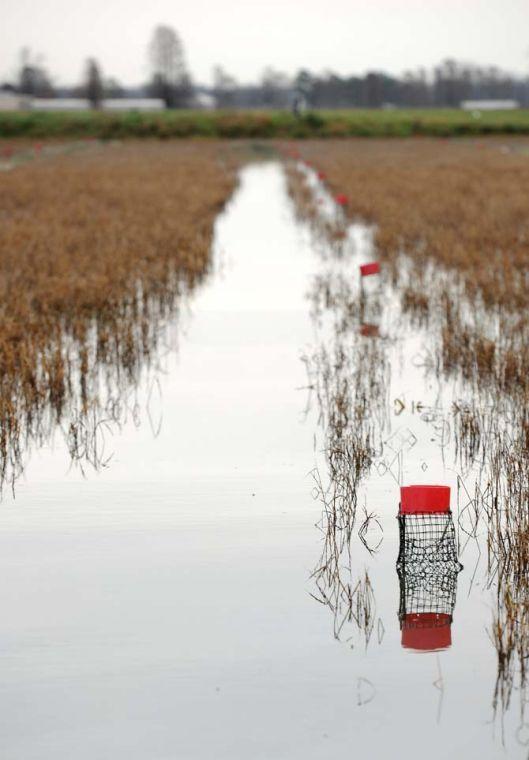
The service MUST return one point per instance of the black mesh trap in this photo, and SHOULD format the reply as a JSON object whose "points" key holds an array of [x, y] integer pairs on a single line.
{"points": [[427, 565]]}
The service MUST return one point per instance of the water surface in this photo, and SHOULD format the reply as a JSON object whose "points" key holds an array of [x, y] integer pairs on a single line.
{"points": [[162, 608]]}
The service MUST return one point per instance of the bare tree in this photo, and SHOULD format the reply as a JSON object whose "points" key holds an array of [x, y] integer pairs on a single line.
{"points": [[275, 87], [413, 90], [224, 86], [170, 78], [303, 84], [93, 83], [33, 79], [112, 88]]}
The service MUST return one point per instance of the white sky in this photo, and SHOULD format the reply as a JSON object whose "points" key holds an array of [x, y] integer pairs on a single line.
{"points": [[345, 36]]}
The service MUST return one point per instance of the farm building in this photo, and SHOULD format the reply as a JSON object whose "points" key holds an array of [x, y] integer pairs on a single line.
{"points": [[489, 105]]}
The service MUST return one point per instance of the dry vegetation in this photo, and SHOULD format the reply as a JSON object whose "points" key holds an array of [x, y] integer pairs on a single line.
{"points": [[464, 206], [462, 203], [452, 228], [348, 379], [95, 251]]}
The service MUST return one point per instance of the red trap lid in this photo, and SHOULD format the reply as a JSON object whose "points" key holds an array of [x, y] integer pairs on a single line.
{"points": [[426, 631], [416, 499]]}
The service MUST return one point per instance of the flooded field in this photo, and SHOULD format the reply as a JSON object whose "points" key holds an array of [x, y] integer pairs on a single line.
{"points": [[207, 566]]}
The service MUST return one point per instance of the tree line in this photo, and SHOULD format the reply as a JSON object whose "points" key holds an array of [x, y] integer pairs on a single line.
{"points": [[170, 79], [445, 86]]}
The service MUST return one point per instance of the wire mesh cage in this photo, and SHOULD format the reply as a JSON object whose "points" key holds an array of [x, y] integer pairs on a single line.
{"points": [[427, 544], [427, 568]]}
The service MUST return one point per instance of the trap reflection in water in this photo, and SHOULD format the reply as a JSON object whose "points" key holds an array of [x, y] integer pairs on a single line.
{"points": [[427, 567]]}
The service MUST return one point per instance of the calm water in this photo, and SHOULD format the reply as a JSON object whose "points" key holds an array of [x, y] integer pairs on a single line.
{"points": [[161, 608]]}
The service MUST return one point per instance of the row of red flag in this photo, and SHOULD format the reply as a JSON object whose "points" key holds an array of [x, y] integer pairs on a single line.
{"points": [[8, 151], [342, 200], [428, 630]]}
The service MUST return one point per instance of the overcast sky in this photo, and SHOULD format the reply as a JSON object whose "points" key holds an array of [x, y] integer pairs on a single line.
{"points": [[345, 36]]}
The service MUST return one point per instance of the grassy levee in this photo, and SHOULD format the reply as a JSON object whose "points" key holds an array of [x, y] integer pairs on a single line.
{"points": [[262, 124]]}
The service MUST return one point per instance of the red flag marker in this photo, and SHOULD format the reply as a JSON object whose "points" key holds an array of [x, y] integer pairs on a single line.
{"points": [[372, 268], [341, 199], [322, 176], [369, 330]]}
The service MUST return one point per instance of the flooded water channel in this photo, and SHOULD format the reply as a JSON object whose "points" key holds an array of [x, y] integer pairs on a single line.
{"points": [[186, 601]]}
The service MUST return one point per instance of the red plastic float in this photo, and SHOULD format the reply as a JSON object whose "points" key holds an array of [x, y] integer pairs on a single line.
{"points": [[424, 499]]}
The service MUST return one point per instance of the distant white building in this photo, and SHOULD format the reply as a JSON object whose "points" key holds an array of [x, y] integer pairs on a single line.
{"points": [[489, 105], [57, 104], [204, 101], [133, 104], [107, 104], [10, 101]]}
